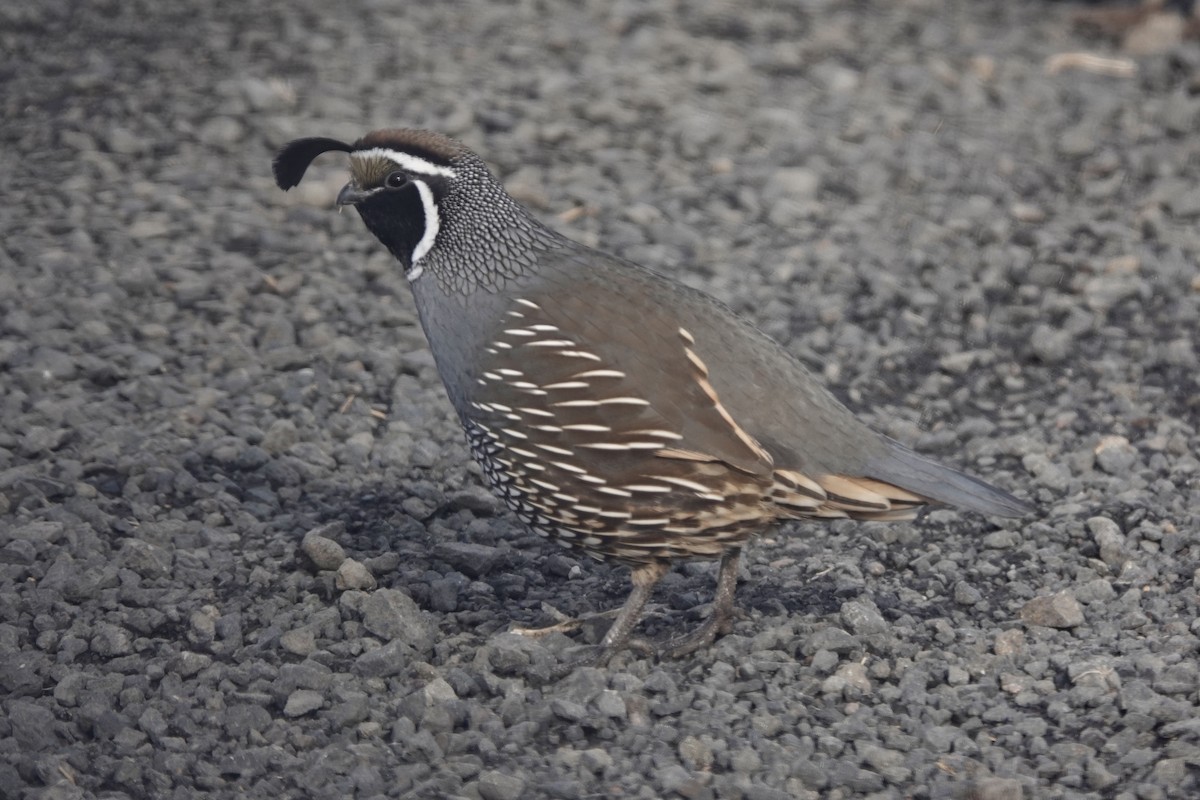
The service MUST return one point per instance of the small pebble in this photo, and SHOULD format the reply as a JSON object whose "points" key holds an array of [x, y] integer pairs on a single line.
{"points": [[1059, 610], [324, 552], [354, 575], [303, 701]]}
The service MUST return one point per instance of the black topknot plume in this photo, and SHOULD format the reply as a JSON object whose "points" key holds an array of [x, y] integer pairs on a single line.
{"points": [[293, 160]]}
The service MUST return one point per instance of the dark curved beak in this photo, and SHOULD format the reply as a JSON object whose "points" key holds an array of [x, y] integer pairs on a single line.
{"points": [[351, 195]]}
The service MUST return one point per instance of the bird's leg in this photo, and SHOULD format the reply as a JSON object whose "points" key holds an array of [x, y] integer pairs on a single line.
{"points": [[644, 578], [720, 621]]}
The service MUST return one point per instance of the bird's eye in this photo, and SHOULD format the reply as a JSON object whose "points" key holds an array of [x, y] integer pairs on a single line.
{"points": [[395, 180]]}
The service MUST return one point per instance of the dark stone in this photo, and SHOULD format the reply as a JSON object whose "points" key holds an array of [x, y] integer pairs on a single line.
{"points": [[33, 726], [381, 662], [473, 560]]}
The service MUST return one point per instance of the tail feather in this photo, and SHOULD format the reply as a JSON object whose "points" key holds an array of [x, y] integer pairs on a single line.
{"points": [[915, 473]]}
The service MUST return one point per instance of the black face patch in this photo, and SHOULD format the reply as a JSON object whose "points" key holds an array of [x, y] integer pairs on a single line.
{"points": [[397, 218]]}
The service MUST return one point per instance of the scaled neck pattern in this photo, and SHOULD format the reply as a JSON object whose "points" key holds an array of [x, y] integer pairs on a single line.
{"points": [[487, 240]]}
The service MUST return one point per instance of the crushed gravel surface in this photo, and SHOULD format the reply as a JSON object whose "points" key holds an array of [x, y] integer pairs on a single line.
{"points": [[242, 550]]}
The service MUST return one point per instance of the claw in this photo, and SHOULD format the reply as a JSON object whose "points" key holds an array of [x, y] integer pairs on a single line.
{"points": [[565, 624], [719, 622], [700, 638]]}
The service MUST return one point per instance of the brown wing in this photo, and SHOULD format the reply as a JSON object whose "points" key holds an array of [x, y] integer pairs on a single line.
{"points": [[616, 440]]}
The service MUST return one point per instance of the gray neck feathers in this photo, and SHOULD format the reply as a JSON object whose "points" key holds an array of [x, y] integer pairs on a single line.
{"points": [[487, 240]]}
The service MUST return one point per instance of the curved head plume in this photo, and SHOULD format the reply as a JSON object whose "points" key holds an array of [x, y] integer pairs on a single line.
{"points": [[293, 160]]}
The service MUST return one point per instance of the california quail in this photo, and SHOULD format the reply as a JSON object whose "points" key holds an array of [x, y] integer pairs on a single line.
{"points": [[612, 409]]}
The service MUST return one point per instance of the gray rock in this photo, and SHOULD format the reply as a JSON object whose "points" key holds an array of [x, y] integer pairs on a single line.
{"points": [[851, 676], [476, 499], [189, 663], [887, 762], [1110, 540], [595, 760], [1098, 775], [1051, 345], [1115, 455], [659, 682], [242, 718], [824, 661], [324, 552], [32, 726], [509, 653], [280, 436], [391, 614], [438, 691], [745, 761], [153, 723], [472, 560], [353, 575], [695, 754], [611, 704], [832, 639], [300, 642], [862, 618], [22, 672], [303, 701], [1172, 773], [1048, 473], [565, 709], [966, 595], [443, 593], [1059, 610], [18, 552], [790, 183], [997, 789], [1181, 678], [111, 640], [1009, 643], [1098, 590], [1076, 142], [308, 674], [348, 708], [145, 559], [1001, 540], [672, 778], [1184, 204], [496, 785], [392, 658], [1106, 291], [203, 625], [1098, 673], [63, 790]]}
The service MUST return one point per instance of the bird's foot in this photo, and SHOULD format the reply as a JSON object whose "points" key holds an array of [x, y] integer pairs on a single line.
{"points": [[719, 623], [564, 625], [595, 655]]}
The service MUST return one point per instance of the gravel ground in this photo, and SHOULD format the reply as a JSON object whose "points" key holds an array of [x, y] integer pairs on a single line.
{"points": [[243, 553]]}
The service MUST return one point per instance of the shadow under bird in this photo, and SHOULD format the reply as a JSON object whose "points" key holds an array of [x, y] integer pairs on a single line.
{"points": [[612, 409]]}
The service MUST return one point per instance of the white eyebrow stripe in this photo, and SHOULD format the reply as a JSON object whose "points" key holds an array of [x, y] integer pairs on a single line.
{"points": [[405, 161]]}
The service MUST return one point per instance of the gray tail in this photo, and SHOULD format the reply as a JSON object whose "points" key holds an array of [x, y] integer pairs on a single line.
{"points": [[917, 474]]}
